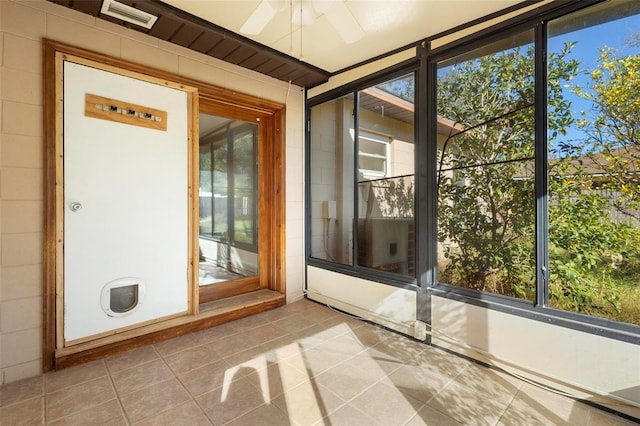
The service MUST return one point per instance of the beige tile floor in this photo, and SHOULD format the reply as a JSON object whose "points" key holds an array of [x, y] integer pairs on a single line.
{"points": [[302, 364]]}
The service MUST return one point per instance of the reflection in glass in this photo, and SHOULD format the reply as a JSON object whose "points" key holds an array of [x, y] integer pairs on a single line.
{"points": [[228, 199], [386, 181], [219, 183], [332, 173], [206, 190], [244, 187]]}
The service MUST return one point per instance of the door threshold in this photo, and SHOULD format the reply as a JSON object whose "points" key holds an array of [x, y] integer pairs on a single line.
{"points": [[233, 302], [211, 314]]}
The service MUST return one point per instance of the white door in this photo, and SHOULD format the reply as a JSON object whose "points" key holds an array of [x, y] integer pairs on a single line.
{"points": [[125, 207]]}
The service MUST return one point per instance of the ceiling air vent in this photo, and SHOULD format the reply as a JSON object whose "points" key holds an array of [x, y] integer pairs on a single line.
{"points": [[128, 13]]}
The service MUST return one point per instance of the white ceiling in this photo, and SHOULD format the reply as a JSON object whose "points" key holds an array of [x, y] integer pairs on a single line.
{"points": [[387, 25]]}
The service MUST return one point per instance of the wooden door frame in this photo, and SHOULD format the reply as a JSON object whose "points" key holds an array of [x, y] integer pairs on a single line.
{"points": [[271, 114], [265, 199]]}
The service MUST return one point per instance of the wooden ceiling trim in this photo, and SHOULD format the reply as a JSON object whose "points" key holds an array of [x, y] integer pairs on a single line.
{"points": [[91, 8], [294, 76], [179, 27], [269, 67], [186, 35], [224, 48], [240, 55], [254, 61], [204, 43], [164, 28], [285, 70]]}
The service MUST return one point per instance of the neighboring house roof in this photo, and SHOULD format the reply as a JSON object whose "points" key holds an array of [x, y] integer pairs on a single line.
{"points": [[390, 105], [598, 163]]}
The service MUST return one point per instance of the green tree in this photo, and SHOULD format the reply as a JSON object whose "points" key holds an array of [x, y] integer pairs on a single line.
{"points": [[613, 128], [595, 198], [403, 87], [486, 186], [486, 180]]}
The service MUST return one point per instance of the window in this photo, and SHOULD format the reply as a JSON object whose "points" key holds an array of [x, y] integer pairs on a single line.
{"points": [[531, 196], [386, 240], [567, 241], [228, 185], [589, 230], [362, 181], [485, 181], [244, 185], [332, 169], [373, 157], [594, 160]]}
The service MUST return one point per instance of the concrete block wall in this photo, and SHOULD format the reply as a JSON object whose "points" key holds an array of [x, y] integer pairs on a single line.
{"points": [[23, 25]]}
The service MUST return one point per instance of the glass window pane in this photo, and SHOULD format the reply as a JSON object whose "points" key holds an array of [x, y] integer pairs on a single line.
{"points": [[373, 154], [206, 190], [220, 188], [594, 158], [245, 187], [386, 238], [228, 200], [332, 180], [486, 198]]}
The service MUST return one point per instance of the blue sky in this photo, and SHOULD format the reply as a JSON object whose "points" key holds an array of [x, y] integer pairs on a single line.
{"points": [[614, 34]]}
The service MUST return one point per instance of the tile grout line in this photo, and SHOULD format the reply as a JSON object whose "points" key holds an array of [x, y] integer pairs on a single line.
{"points": [[47, 421], [44, 400], [347, 402], [191, 396], [117, 394], [446, 385], [416, 413], [311, 378], [504, 412]]}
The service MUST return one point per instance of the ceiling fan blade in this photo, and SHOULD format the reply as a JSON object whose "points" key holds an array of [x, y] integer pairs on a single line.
{"points": [[260, 17], [341, 18]]}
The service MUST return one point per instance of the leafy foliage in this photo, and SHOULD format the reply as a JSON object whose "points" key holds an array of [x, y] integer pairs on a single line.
{"points": [[595, 238], [613, 127], [486, 181], [486, 186], [394, 197]]}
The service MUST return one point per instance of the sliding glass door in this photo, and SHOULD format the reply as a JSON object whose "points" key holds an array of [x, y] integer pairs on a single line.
{"points": [[228, 195]]}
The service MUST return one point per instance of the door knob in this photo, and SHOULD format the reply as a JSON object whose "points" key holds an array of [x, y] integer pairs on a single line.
{"points": [[75, 207]]}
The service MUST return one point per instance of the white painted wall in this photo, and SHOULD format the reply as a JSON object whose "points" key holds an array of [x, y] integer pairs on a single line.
{"points": [[585, 364], [390, 306]]}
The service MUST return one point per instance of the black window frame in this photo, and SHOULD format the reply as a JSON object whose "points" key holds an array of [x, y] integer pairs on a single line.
{"points": [[396, 71], [426, 283]]}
